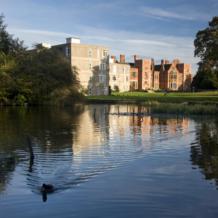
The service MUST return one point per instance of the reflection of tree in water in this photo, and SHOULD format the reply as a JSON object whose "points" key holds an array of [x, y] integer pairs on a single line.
{"points": [[51, 129], [7, 165], [204, 152]]}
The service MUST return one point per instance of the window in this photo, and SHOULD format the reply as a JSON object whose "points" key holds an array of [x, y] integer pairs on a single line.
{"points": [[101, 78], [114, 78], [173, 86], [133, 74], [90, 66], [90, 53], [67, 51], [104, 53], [103, 66], [173, 75], [127, 78]]}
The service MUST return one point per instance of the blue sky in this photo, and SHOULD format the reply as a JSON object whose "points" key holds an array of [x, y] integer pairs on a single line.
{"points": [[149, 28]]}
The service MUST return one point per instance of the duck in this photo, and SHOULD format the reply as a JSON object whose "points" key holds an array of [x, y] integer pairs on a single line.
{"points": [[47, 188]]}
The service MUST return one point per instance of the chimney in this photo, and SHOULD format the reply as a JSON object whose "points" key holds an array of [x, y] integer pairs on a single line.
{"points": [[135, 57], [113, 58], [176, 61], [122, 58], [164, 62]]}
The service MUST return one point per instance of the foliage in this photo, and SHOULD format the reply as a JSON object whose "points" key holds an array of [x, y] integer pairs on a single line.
{"points": [[38, 76], [116, 88], [206, 48], [204, 153], [9, 45], [46, 72]]}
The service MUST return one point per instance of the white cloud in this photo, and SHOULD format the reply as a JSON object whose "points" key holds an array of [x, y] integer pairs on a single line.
{"points": [[180, 14], [39, 32], [33, 36], [155, 46]]}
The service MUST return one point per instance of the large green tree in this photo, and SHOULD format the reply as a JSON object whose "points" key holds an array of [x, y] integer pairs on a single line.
{"points": [[46, 75], [38, 76], [206, 48]]}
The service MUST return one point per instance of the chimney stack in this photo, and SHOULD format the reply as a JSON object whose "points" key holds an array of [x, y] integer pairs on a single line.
{"points": [[164, 62], [113, 58], [135, 58], [122, 58], [176, 61]]}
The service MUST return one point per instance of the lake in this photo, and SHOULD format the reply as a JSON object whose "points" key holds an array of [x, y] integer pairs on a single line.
{"points": [[107, 161]]}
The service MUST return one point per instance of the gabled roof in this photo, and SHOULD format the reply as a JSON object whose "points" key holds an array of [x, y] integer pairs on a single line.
{"points": [[132, 64], [167, 66], [157, 67]]}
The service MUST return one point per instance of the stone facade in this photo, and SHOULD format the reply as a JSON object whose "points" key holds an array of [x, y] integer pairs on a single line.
{"points": [[119, 74], [92, 62]]}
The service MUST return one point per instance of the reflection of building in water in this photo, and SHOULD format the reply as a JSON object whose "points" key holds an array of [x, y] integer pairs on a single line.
{"points": [[132, 115], [172, 125], [127, 124], [118, 124], [92, 129], [124, 121]]}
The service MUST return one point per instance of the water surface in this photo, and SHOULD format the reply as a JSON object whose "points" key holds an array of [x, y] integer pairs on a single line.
{"points": [[106, 162]]}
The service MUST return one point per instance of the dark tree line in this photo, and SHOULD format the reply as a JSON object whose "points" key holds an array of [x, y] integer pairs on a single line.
{"points": [[206, 48], [38, 76]]}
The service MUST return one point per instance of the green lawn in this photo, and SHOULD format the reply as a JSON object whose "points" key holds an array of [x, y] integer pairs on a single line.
{"points": [[171, 97]]}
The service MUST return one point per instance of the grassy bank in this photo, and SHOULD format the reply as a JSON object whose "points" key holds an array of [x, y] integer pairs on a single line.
{"points": [[179, 103], [173, 97], [184, 109]]}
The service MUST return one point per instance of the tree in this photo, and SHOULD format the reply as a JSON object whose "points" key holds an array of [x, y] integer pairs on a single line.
{"points": [[44, 75], [37, 76], [206, 48], [9, 49], [9, 45]]}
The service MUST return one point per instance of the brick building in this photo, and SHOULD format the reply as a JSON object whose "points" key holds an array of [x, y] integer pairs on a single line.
{"points": [[175, 76], [133, 77]]}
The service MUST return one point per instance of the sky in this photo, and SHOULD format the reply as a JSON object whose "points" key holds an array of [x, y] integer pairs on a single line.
{"points": [[159, 29]]}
